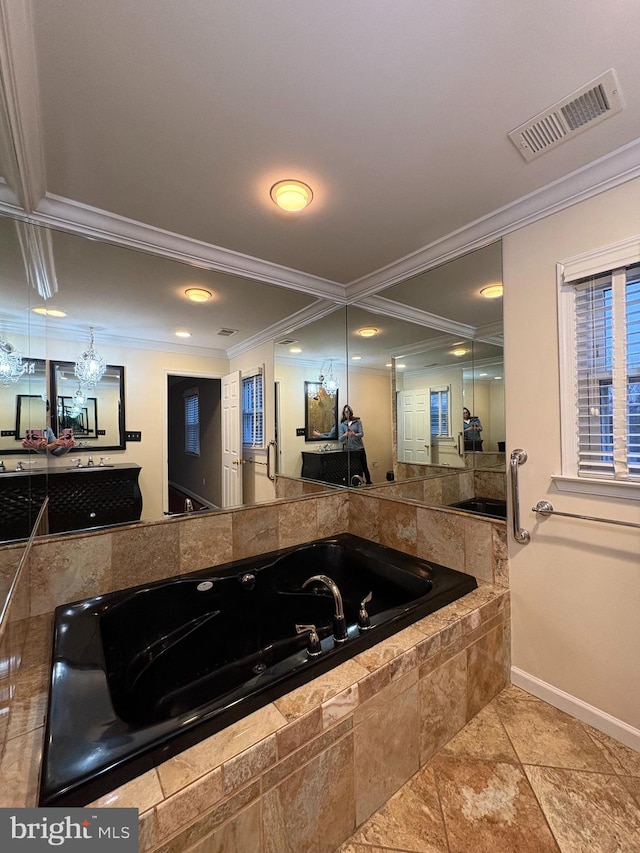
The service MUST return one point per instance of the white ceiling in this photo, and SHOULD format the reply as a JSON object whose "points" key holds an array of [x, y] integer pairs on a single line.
{"points": [[161, 126]]}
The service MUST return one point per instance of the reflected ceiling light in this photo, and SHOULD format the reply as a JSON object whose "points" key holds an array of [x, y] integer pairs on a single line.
{"points": [[459, 352], [367, 332], [295, 349], [182, 333], [388, 364], [198, 294], [291, 195], [493, 291], [49, 312], [12, 366], [483, 374], [401, 365], [497, 377], [90, 367], [356, 358]]}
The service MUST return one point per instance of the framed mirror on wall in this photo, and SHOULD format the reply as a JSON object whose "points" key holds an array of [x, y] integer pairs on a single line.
{"points": [[96, 415], [320, 412]]}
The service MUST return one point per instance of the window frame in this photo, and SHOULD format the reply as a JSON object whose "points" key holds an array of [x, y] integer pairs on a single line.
{"points": [[190, 394], [440, 390], [257, 415], [604, 261]]}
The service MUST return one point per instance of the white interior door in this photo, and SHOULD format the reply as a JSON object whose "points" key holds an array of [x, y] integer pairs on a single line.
{"points": [[231, 440], [414, 426]]}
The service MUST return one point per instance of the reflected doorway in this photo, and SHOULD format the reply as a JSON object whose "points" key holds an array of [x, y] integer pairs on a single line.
{"points": [[194, 443]]}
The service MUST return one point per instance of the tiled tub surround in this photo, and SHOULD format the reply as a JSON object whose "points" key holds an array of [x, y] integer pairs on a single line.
{"points": [[303, 772], [459, 655], [442, 486]]}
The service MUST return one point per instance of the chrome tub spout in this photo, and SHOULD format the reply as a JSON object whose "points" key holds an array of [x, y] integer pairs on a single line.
{"points": [[340, 634]]}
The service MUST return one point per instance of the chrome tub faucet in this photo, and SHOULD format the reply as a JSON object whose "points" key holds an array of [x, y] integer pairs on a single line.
{"points": [[340, 634]]}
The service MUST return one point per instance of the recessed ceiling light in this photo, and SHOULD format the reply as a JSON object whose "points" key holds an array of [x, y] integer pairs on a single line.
{"points": [[367, 332], [182, 333], [295, 349], [198, 294], [493, 291], [291, 195], [483, 374], [356, 358], [459, 352], [49, 312]]}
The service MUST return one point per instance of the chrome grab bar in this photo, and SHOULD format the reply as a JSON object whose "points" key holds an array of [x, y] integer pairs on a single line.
{"points": [[518, 457], [272, 444], [544, 508]]}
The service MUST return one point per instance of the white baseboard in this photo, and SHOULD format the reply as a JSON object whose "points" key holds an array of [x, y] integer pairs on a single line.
{"points": [[600, 720]]}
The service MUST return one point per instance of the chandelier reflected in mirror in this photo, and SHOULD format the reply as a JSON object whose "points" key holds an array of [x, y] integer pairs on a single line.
{"points": [[328, 381], [90, 366], [12, 367]]}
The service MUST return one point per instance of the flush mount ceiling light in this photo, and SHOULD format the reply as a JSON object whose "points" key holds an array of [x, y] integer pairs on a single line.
{"points": [[493, 291], [49, 312], [367, 332], [90, 367], [198, 294], [291, 195], [182, 333], [295, 349], [459, 352]]}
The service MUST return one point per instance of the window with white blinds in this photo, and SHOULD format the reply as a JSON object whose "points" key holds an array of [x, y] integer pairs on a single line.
{"points": [[439, 411], [253, 410], [192, 422], [607, 374]]}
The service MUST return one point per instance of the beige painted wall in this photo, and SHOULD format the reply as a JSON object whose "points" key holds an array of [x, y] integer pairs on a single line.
{"points": [[576, 585]]}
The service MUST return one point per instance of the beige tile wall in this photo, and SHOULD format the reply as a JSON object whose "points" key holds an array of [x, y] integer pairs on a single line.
{"points": [[271, 778]]}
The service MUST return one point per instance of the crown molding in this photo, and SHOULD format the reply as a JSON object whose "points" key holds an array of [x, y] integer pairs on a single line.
{"points": [[391, 308], [607, 172], [21, 106], [86, 221], [315, 311]]}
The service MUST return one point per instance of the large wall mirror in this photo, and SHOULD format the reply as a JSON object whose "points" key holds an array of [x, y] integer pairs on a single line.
{"points": [[435, 337], [374, 350]]}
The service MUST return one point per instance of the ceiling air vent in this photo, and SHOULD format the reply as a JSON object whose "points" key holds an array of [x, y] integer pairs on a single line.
{"points": [[286, 342], [226, 332], [580, 110]]}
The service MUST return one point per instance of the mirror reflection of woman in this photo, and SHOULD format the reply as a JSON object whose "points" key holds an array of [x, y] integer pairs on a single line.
{"points": [[472, 431], [351, 433]]}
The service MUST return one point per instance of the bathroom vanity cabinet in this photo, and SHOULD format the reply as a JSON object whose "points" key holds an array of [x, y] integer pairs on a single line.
{"points": [[78, 498], [328, 466]]}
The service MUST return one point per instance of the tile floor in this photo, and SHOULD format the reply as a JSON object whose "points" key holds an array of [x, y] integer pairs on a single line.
{"points": [[521, 777]]}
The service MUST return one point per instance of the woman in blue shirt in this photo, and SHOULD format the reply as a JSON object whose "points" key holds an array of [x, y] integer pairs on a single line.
{"points": [[351, 433]]}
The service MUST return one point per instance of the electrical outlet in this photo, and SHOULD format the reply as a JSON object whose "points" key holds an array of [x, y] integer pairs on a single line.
{"points": [[133, 435]]}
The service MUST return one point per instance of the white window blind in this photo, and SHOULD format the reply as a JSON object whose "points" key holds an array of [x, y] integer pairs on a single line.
{"points": [[192, 422], [607, 374], [439, 409], [253, 410]]}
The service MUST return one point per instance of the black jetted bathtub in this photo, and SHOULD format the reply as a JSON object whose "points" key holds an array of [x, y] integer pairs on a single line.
{"points": [[141, 674], [491, 507]]}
